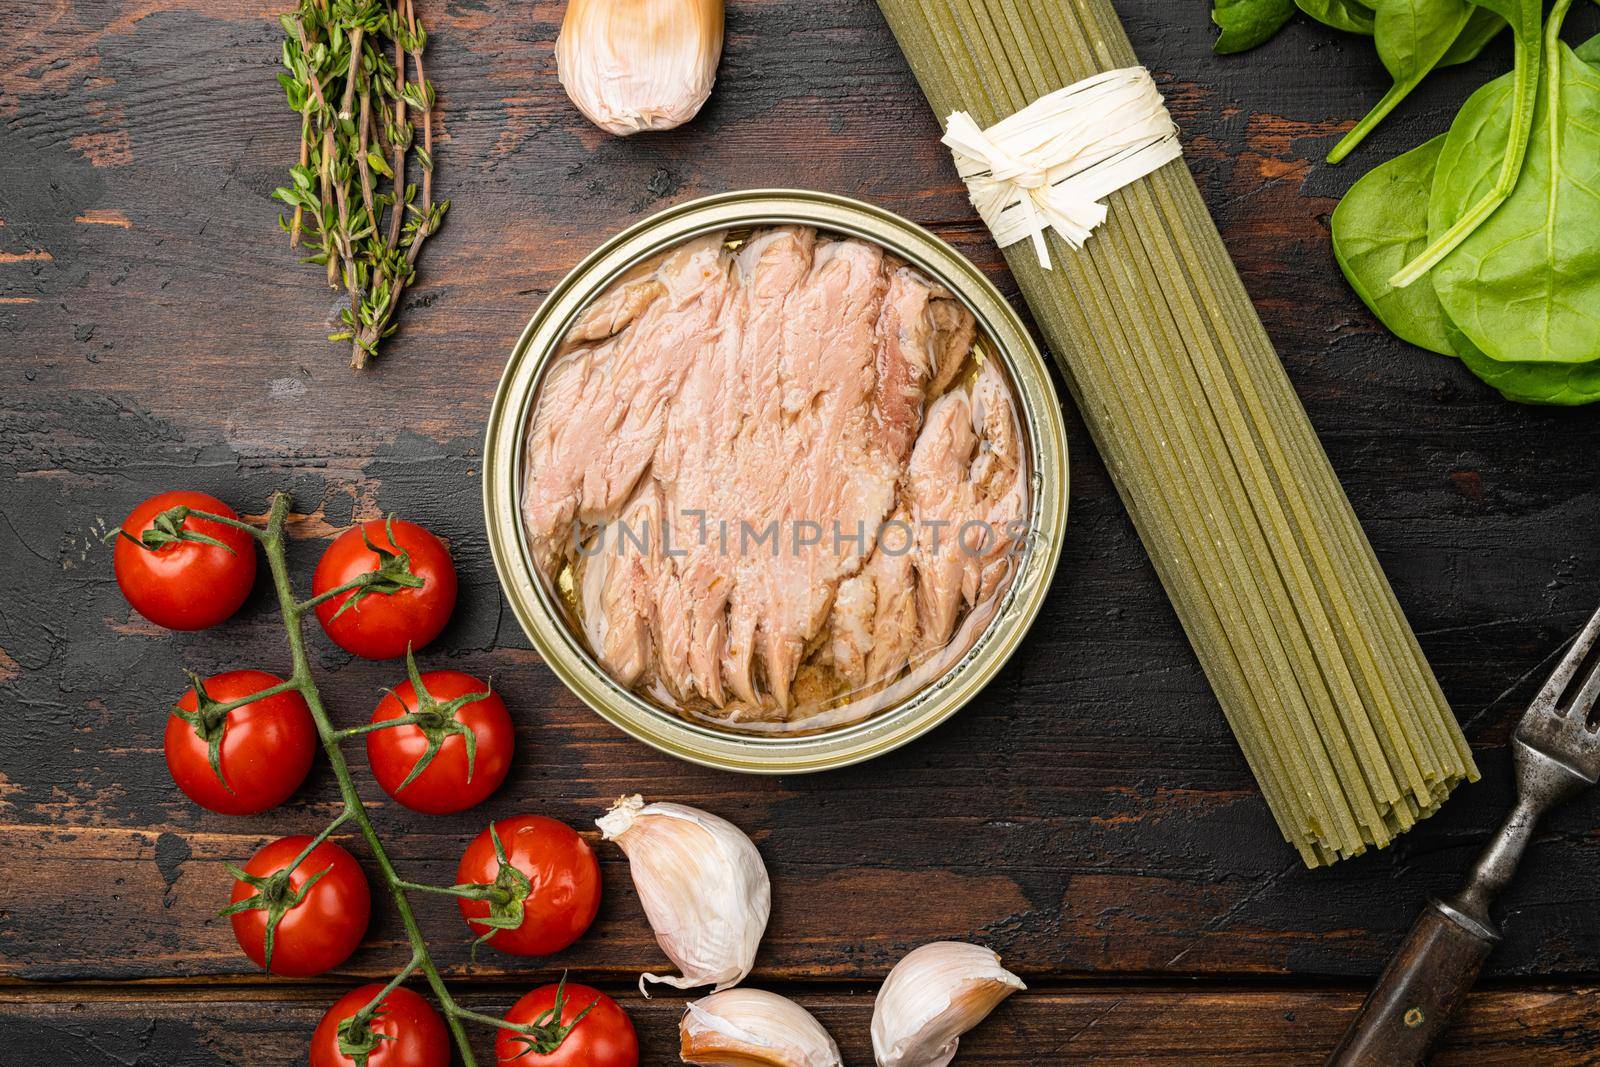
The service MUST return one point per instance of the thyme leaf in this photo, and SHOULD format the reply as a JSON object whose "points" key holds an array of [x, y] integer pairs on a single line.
{"points": [[353, 72]]}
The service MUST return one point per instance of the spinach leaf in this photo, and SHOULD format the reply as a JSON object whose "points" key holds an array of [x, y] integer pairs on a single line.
{"points": [[1413, 37], [1564, 384], [1247, 23], [1383, 217], [1526, 20], [1382, 220], [1352, 16], [1379, 225], [1483, 27], [1526, 284]]}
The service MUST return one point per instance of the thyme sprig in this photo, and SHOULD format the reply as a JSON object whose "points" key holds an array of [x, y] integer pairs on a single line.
{"points": [[354, 73]]}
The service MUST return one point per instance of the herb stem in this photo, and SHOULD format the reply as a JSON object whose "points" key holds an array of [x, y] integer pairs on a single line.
{"points": [[427, 131], [305, 158], [362, 166], [401, 143], [358, 114], [327, 190], [352, 77]]}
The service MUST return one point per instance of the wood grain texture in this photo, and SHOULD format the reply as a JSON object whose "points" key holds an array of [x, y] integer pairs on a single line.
{"points": [[1088, 815], [1130, 1026]]}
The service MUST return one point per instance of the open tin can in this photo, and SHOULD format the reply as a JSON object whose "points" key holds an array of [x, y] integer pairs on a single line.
{"points": [[543, 617]]}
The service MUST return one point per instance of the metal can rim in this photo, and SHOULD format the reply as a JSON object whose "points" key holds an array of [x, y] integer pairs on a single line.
{"points": [[551, 637]]}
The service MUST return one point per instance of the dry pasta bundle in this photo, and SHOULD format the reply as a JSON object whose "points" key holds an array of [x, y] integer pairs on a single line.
{"points": [[1318, 672]]}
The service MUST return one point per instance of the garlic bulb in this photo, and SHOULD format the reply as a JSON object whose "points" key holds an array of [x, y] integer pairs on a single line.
{"points": [[934, 995], [753, 1028], [702, 884], [635, 65]]}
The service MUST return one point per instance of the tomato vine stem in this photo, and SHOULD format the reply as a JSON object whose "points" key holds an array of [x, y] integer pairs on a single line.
{"points": [[371, 1008], [373, 727], [272, 543], [254, 531], [219, 709], [471, 891], [357, 582]]}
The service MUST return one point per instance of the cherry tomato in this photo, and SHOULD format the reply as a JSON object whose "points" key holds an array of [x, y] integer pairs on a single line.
{"points": [[413, 1035], [179, 583], [381, 625], [562, 884], [321, 931], [265, 747], [603, 1038], [444, 785]]}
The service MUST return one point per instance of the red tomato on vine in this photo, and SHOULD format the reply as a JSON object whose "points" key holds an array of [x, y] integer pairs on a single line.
{"points": [[299, 919], [540, 885], [406, 602], [457, 751], [405, 1031], [246, 760], [181, 571], [568, 1026]]}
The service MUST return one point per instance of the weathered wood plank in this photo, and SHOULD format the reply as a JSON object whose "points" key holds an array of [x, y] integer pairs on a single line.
{"points": [[1078, 829], [1089, 814], [1113, 1027]]}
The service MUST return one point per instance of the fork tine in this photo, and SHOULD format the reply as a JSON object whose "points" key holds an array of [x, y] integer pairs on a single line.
{"points": [[1562, 676], [1584, 701]]}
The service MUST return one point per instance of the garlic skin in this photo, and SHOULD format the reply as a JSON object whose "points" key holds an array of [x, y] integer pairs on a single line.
{"points": [[753, 1028], [702, 884], [636, 65], [934, 995]]}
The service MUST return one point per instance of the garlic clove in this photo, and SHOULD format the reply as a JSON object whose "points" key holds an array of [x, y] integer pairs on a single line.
{"points": [[935, 994], [753, 1028], [703, 886], [636, 65]]}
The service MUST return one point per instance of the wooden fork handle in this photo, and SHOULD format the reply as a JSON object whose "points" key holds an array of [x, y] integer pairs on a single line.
{"points": [[1419, 991]]}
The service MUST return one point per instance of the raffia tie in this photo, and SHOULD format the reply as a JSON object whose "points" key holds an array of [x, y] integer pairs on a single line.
{"points": [[1048, 166]]}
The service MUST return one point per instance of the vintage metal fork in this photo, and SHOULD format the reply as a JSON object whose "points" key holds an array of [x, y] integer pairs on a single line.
{"points": [[1557, 756]]}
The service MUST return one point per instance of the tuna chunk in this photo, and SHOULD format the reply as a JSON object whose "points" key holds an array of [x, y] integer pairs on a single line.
{"points": [[953, 333], [967, 497], [618, 392], [874, 624], [743, 421], [619, 583], [828, 475], [724, 458]]}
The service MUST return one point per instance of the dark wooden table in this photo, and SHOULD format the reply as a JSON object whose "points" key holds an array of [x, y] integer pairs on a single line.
{"points": [[1089, 816]]}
